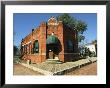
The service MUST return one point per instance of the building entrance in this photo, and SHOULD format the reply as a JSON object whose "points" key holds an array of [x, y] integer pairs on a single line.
{"points": [[52, 43], [52, 51]]}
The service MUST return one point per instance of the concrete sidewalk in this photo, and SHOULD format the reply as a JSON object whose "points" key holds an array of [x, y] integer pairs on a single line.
{"points": [[59, 69]]}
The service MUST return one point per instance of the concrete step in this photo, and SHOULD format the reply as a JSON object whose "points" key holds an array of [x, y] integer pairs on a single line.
{"points": [[53, 61]]}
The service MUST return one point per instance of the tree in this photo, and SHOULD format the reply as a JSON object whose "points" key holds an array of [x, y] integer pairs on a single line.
{"points": [[16, 50], [74, 24], [94, 41], [67, 20], [80, 37]]}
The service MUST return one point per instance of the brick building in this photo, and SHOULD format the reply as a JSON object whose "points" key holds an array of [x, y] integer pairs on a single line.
{"points": [[51, 40]]}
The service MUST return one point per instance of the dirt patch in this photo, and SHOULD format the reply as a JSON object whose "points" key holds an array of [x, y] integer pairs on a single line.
{"points": [[90, 69], [21, 70]]}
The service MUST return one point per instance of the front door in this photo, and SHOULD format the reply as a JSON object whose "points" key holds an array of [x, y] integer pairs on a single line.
{"points": [[51, 54], [52, 51]]}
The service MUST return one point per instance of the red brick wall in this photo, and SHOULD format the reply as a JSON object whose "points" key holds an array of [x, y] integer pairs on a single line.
{"points": [[35, 58], [71, 56], [70, 34], [58, 32], [42, 41], [41, 33]]}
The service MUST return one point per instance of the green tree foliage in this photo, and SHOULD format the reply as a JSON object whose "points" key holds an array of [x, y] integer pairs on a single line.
{"points": [[81, 26], [74, 24], [80, 37], [94, 41], [16, 50], [67, 20], [16, 53]]}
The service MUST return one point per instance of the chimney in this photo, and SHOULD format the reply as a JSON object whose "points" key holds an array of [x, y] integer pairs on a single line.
{"points": [[32, 30]]}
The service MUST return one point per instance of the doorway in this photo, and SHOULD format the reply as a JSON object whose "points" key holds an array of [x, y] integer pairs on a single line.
{"points": [[52, 51]]}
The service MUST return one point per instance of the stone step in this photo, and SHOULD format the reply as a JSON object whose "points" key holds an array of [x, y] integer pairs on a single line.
{"points": [[53, 61]]}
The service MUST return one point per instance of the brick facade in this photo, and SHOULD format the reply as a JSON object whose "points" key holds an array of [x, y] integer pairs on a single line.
{"points": [[40, 35]]}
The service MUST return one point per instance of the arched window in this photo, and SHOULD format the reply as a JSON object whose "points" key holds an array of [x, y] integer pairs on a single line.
{"points": [[36, 47], [21, 49], [24, 49], [69, 46]]}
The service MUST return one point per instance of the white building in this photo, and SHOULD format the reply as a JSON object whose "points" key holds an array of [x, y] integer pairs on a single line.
{"points": [[92, 47]]}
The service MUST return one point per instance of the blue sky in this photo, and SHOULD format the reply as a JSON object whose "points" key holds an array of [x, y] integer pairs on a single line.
{"points": [[25, 22]]}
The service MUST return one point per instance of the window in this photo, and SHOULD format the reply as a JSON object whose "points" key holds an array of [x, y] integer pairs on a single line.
{"points": [[69, 46], [22, 50], [26, 49], [36, 47]]}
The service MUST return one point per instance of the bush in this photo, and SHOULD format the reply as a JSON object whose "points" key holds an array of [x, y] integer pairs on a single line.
{"points": [[16, 59], [85, 52]]}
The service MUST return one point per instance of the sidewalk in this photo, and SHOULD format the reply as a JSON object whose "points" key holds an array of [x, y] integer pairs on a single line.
{"points": [[59, 69]]}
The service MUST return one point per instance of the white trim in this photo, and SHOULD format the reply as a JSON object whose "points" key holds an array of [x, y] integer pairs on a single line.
{"points": [[71, 53], [52, 18], [53, 24], [26, 43]]}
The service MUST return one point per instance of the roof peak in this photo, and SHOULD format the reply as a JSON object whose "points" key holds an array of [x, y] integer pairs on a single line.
{"points": [[52, 18]]}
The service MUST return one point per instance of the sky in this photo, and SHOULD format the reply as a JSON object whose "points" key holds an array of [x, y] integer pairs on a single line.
{"points": [[23, 23]]}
